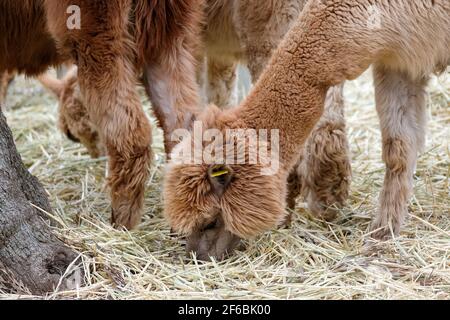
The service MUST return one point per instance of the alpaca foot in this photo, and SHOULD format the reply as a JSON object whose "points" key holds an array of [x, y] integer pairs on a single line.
{"points": [[327, 211], [383, 228]]}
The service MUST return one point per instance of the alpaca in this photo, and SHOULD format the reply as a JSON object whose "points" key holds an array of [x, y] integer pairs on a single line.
{"points": [[332, 41], [7, 77], [248, 32], [115, 38], [323, 175], [244, 32], [73, 118]]}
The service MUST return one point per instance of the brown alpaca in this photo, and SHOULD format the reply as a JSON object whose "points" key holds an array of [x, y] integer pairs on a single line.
{"points": [[331, 42], [116, 38], [248, 32]]}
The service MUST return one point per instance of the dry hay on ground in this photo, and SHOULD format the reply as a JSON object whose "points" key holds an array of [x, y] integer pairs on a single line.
{"points": [[312, 260]]}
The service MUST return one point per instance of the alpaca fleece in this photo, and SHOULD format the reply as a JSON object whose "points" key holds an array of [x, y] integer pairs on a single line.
{"points": [[332, 41], [117, 39]]}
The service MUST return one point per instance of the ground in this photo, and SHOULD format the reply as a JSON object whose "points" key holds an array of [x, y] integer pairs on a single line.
{"points": [[311, 260]]}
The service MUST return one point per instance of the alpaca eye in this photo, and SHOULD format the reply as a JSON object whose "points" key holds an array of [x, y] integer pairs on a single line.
{"points": [[210, 226]]}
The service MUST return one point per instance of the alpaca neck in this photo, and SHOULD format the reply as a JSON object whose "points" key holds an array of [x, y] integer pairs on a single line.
{"points": [[285, 99]]}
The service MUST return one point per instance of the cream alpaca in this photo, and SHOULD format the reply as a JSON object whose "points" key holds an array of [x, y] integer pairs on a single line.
{"points": [[248, 32], [331, 42]]}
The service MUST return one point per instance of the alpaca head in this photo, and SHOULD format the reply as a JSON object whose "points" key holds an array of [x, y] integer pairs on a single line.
{"points": [[217, 204], [74, 119]]}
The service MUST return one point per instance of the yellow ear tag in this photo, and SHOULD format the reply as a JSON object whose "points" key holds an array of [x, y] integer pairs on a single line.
{"points": [[219, 173]]}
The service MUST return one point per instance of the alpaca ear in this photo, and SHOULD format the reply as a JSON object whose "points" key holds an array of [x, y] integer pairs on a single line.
{"points": [[220, 177], [52, 84]]}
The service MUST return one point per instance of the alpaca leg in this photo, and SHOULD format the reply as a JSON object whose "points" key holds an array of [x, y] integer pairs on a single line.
{"points": [[325, 169], [202, 79], [115, 109], [294, 189], [171, 84], [401, 104], [222, 82], [107, 80], [294, 186]]}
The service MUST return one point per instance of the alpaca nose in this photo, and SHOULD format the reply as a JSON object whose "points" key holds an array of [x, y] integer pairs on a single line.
{"points": [[213, 242]]}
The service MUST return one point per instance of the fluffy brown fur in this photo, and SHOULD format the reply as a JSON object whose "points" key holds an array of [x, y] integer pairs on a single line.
{"points": [[331, 42], [168, 38], [117, 38], [23, 22], [242, 31], [323, 174]]}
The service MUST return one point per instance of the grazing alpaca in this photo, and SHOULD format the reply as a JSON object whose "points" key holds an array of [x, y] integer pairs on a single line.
{"points": [[331, 42], [73, 118], [115, 38], [248, 32]]}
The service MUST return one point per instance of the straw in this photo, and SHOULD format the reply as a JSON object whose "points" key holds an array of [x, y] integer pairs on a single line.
{"points": [[311, 260]]}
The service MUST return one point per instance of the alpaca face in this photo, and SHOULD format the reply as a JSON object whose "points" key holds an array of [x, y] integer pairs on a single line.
{"points": [[217, 205], [214, 240], [74, 120]]}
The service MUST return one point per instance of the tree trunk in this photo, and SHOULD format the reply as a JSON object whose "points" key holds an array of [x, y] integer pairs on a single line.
{"points": [[29, 253]]}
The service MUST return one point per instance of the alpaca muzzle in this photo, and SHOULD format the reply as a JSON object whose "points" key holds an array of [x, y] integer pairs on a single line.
{"points": [[214, 241]]}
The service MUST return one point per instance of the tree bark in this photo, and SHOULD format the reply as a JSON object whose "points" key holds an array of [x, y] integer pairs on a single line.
{"points": [[29, 252]]}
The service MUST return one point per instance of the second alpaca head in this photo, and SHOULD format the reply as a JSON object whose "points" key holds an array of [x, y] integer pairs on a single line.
{"points": [[73, 118]]}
